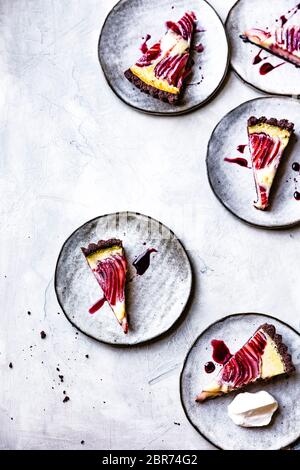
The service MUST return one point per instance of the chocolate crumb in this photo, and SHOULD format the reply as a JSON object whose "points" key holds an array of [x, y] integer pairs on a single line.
{"points": [[64, 392], [82, 442], [10, 365], [28, 313], [177, 424], [61, 378], [43, 335], [87, 356], [66, 399]]}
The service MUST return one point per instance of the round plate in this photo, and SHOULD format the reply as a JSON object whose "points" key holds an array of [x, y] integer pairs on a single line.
{"points": [[154, 301], [234, 185], [284, 80], [121, 36], [211, 419]]}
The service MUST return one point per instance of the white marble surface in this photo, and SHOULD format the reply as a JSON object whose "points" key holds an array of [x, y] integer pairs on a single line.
{"points": [[70, 150]]}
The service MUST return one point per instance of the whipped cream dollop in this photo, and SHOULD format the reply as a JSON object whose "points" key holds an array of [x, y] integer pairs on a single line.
{"points": [[252, 409]]}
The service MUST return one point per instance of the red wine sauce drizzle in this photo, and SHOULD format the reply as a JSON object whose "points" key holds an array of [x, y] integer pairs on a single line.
{"points": [[296, 167], [209, 367], [221, 353], [283, 19], [142, 262], [238, 161], [297, 195], [267, 68], [241, 148], [144, 47], [94, 308], [258, 58], [198, 48]]}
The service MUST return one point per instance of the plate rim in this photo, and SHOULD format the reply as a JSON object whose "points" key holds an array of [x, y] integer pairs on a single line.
{"points": [[152, 338], [220, 320], [252, 224], [166, 113], [255, 87]]}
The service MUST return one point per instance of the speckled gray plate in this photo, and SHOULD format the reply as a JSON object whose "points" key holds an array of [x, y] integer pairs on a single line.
{"points": [[154, 301], [121, 36], [245, 14], [234, 185], [211, 419]]}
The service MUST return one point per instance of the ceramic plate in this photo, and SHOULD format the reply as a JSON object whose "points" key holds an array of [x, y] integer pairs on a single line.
{"points": [[234, 185], [283, 80], [131, 20], [154, 300], [211, 419]]}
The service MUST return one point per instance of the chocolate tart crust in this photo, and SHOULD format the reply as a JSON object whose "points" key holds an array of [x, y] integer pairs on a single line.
{"points": [[282, 123], [101, 245], [150, 90], [281, 347]]}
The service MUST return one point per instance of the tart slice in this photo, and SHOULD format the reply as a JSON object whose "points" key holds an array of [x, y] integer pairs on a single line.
{"points": [[268, 139], [108, 262], [263, 356], [163, 67], [283, 42]]}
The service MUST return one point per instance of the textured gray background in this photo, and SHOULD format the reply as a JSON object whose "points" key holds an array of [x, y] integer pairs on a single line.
{"points": [[71, 150]]}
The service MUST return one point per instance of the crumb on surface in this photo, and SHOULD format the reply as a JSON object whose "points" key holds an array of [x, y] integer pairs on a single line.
{"points": [[43, 335]]}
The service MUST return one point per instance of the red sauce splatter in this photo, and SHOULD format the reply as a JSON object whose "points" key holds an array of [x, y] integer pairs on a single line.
{"points": [[258, 58], [144, 47], [94, 308], [221, 353], [267, 68], [241, 148], [238, 161], [297, 195], [209, 367], [142, 262], [199, 48]]}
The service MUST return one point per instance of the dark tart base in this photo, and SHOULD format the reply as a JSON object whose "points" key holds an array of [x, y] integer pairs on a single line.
{"points": [[101, 245], [282, 123], [281, 347], [150, 90]]}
